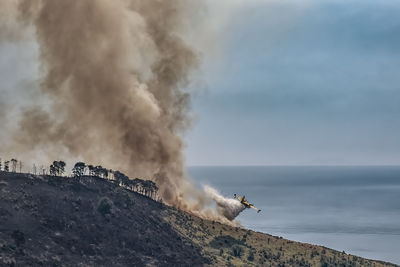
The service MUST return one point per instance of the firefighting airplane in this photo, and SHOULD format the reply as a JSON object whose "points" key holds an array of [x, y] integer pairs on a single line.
{"points": [[245, 203]]}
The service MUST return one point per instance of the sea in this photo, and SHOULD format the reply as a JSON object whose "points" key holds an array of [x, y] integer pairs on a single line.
{"points": [[355, 209]]}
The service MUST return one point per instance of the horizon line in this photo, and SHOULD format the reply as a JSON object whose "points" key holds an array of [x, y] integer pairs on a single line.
{"points": [[298, 165]]}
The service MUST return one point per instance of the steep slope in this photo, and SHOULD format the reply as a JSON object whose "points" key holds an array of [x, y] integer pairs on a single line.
{"points": [[55, 221], [58, 221], [235, 246]]}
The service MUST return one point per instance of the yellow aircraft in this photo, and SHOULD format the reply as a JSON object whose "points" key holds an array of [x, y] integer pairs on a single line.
{"points": [[245, 203]]}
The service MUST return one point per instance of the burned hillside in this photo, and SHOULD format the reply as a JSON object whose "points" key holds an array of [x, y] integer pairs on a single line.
{"points": [[57, 221], [89, 221]]}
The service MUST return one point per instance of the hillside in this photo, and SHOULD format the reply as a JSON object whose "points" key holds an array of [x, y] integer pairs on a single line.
{"points": [[58, 221]]}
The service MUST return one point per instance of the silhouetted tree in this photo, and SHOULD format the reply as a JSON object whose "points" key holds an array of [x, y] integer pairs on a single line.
{"points": [[121, 178], [0, 164], [132, 184], [57, 168], [104, 173], [150, 188], [53, 170], [91, 170], [61, 167], [79, 169], [154, 190], [125, 180], [101, 172], [111, 174], [146, 188], [137, 185], [34, 169], [14, 165], [6, 164], [98, 170], [118, 176]]}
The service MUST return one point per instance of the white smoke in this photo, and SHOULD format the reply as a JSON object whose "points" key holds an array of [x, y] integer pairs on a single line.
{"points": [[227, 207]]}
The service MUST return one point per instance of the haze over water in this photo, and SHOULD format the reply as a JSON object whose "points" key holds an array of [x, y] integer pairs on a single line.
{"points": [[347, 208]]}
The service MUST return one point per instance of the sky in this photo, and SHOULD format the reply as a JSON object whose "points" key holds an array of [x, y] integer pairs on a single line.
{"points": [[302, 83], [282, 82]]}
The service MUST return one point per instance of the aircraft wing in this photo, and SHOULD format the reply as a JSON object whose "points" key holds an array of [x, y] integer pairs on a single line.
{"points": [[253, 207], [244, 202]]}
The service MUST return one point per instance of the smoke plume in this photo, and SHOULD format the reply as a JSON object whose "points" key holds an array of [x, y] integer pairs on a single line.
{"points": [[114, 75]]}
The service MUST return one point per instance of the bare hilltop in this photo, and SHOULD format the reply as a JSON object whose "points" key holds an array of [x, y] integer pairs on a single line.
{"points": [[88, 221]]}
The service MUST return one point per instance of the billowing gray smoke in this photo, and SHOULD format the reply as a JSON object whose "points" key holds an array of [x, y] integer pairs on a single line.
{"points": [[114, 74]]}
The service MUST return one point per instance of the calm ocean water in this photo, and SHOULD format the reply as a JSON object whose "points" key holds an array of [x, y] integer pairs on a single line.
{"points": [[355, 209]]}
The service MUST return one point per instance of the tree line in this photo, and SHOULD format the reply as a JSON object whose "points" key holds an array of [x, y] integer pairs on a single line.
{"points": [[81, 170], [144, 187], [11, 165]]}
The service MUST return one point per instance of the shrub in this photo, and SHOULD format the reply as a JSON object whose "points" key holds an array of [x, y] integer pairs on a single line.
{"points": [[237, 251], [105, 206], [251, 256]]}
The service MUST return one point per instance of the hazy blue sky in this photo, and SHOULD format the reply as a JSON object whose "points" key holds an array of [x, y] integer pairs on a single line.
{"points": [[303, 82]]}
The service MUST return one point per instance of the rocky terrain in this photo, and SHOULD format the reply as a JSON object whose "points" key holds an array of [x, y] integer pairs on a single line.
{"points": [[59, 221]]}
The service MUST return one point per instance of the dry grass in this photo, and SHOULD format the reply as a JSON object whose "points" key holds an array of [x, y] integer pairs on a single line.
{"points": [[234, 246]]}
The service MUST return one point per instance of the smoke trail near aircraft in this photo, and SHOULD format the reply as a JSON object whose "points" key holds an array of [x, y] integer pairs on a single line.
{"points": [[227, 207], [114, 79]]}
